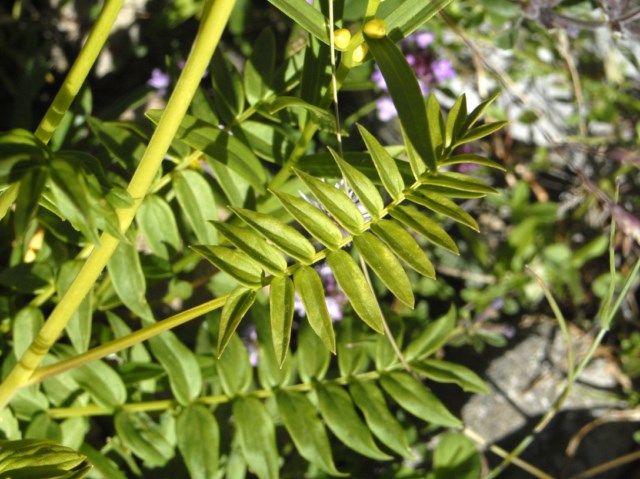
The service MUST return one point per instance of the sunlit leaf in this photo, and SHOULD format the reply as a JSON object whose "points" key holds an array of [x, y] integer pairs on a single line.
{"points": [[409, 16], [448, 372], [426, 227], [480, 132], [303, 14], [144, 437], [257, 436], [235, 263], [384, 163], [234, 368], [281, 306], [472, 159], [455, 120], [236, 306], [443, 206], [457, 181], [404, 246], [159, 227], [432, 337], [309, 286], [259, 68], [456, 456], [25, 326], [198, 440], [197, 204]]}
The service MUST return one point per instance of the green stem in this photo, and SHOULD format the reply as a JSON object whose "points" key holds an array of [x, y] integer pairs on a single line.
{"points": [[214, 20], [79, 71]]}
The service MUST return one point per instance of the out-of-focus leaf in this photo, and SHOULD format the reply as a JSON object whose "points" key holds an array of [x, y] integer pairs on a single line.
{"points": [[386, 266], [197, 204], [254, 246], [30, 278], [198, 440], [409, 16], [235, 263], [365, 189], [312, 358], [338, 412], [25, 326], [404, 246], [236, 306], [443, 206], [370, 401], [432, 337], [288, 239], [101, 463], [448, 372], [39, 459], [257, 436], [303, 14], [235, 368], [312, 219], [309, 286], [258, 71], [385, 165], [158, 225], [79, 326], [415, 398], [456, 456], [352, 281], [144, 437], [426, 227], [336, 202], [281, 306], [407, 97], [306, 430]]}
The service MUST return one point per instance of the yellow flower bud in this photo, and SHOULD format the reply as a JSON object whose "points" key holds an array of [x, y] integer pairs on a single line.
{"points": [[341, 38], [375, 28], [359, 53]]}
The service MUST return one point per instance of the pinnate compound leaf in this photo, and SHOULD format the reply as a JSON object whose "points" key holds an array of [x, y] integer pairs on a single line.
{"points": [[309, 286], [340, 415], [159, 227], [252, 244], [455, 120], [336, 202], [181, 365], [385, 165], [281, 306], [407, 97], [433, 337], [234, 368], [257, 436], [365, 189], [352, 281], [312, 219], [383, 425], [386, 266], [259, 68], [472, 159], [448, 372], [234, 309], [426, 227], [235, 263], [444, 206], [415, 398], [144, 437], [306, 429], [456, 456], [457, 181], [404, 246], [198, 438], [288, 239], [197, 204]]}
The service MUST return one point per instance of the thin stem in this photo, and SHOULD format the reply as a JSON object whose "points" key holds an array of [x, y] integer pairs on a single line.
{"points": [[214, 20]]}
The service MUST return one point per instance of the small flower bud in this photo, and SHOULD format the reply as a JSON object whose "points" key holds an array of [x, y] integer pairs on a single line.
{"points": [[342, 37], [375, 28], [359, 53]]}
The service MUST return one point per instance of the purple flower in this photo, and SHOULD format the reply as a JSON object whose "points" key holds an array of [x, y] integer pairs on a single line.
{"points": [[335, 299], [378, 79], [386, 109], [159, 80], [442, 70], [423, 39]]}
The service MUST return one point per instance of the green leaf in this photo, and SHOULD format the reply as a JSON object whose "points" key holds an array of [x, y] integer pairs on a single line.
{"points": [[415, 398], [386, 266], [79, 326], [102, 465], [281, 306], [340, 415], [144, 437], [20, 151], [38, 459], [309, 286], [448, 372], [257, 436], [234, 186], [125, 146], [433, 337], [457, 181], [197, 204], [385, 165], [426, 227], [29, 192], [235, 263], [25, 326], [478, 111], [288, 239], [254, 246], [181, 365], [456, 456], [128, 280], [409, 16], [236, 306], [407, 97], [234, 368], [325, 117], [221, 147], [443, 206], [227, 86], [315, 78], [312, 219], [158, 225], [306, 430], [312, 356], [336, 202], [474, 159], [455, 120], [259, 68], [362, 185], [270, 142], [102, 382], [198, 438], [435, 120], [303, 14], [352, 281], [404, 246], [480, 132], [418, 166], [383, 425]]}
